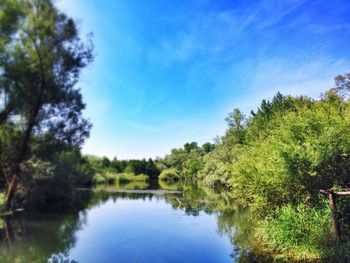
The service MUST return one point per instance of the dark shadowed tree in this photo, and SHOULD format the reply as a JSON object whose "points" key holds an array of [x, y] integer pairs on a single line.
{"points": [[41, 56]]}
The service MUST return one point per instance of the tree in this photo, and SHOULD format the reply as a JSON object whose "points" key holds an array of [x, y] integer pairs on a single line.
{"points": [[236, 123], [151, 169], [41, 58], [105, 162], [342, 84], [208, 147], [190, 146]]}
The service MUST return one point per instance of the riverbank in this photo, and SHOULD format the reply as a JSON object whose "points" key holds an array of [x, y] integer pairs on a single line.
{"points": [[130, 191]]}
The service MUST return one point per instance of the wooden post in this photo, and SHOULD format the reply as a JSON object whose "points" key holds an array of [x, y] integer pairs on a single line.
{"points": [[336, 227], [332, 203]]}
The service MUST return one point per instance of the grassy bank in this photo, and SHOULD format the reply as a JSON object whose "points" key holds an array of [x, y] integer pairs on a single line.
{"points": [[118, 178]]}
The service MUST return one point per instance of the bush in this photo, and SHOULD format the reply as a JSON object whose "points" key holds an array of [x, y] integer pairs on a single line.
{"points": [[110, 178], [305, 151], [127, 177], [98, 179], [169, 174]]}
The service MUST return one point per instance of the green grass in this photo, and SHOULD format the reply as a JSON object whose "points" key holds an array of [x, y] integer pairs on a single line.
{"points": [[118, 178], [299, 233]]}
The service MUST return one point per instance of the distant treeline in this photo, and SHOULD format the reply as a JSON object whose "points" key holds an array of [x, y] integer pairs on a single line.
{"points": [[152, 168], [136, 167]]}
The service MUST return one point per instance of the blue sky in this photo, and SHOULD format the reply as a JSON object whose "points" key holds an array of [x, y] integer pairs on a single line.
{"points": [[167, 72]]}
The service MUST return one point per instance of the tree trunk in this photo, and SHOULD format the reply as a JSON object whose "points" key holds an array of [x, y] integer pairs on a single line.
{"points": [[11, 190], [12, 186], [335, 222]]}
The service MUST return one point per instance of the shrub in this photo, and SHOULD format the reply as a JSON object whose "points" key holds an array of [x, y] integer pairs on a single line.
{"points": [[127, 177], [110, 178], [169, 174], [305, 151], [98, 179]]}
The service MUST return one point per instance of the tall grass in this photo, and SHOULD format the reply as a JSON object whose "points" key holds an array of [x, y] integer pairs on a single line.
{"points": [[118, 178], [297, 232], [127, 177]]}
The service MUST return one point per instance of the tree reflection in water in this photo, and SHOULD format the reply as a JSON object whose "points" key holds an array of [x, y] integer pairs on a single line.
{"points": [[38, 237]]}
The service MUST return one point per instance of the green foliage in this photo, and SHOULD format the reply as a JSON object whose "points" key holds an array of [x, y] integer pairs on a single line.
{"points": [[118, 178], [41, 57], [187, 161], [137, 167], [133, 185], [98, 179], [170, 175], [2, 200], [171, 185], [208, 147], [105, 162], [126, 177], [276, 160], [49, 184], [309, 150], [299, 232]]}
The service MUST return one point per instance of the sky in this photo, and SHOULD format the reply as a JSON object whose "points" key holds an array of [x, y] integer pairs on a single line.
{"points": [[167, 72]]}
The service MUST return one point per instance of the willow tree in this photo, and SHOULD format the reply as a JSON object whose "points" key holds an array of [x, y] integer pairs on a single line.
{"points": [[41, 57]]}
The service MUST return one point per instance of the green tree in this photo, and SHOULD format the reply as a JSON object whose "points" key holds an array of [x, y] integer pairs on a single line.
{"points": [[208, 147], [105, 162], [41, 59], [188, 147]]}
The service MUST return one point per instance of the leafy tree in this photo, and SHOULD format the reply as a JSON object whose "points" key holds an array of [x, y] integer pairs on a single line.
{"points": [[41, 58], [188, 147], [105, 162], [151, 169], [208, 147], [342, 85]]}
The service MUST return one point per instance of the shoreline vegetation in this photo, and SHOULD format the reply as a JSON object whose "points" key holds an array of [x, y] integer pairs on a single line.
{"points": [[273, 161]]}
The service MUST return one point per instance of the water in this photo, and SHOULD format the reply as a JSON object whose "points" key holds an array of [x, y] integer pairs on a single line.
{"points": [[108, 226]]}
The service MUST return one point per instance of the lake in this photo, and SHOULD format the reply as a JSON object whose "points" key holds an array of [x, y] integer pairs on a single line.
{"points": [[106, 225]]}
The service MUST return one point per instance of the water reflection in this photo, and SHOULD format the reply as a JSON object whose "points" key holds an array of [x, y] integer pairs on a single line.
{"points": [[197, 225]]}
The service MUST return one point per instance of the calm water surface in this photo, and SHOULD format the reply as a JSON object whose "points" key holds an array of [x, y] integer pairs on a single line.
{"points": [[107, 226]]}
